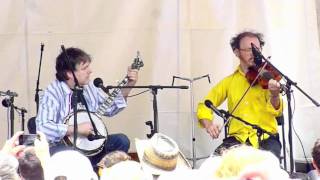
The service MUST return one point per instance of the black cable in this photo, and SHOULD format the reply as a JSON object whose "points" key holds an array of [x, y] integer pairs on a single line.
{"points": [[139, 93], [297, 135]]}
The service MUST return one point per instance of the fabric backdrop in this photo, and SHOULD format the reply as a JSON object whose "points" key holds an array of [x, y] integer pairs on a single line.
{"points": [[185, 38]]}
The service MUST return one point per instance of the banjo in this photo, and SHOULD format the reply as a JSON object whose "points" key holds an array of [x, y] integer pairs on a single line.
{"points": [[92, 147]]}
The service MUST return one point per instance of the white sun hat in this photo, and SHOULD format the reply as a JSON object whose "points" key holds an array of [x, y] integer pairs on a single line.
{"points": [[71, 164]]}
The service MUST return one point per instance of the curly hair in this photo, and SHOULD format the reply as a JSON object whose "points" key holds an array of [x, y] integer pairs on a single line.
{"points": [[235, 41], [67, 62], [316, 153]]}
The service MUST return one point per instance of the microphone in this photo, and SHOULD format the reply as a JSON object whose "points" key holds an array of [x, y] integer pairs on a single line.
{"points": [[6, 102], [99, 84], [256, 55], [209, 104], [92, 137]]}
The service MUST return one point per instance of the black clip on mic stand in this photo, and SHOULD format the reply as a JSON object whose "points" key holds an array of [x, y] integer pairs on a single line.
{"points": [[194, 158], [22, 111], [288, 92], [154, 91]]}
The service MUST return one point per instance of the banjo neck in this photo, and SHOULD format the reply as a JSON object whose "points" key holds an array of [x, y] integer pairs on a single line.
{"points": [[102, 109]]}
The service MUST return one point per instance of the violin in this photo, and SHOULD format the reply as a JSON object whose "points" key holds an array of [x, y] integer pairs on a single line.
{"points": [[268, 72]]}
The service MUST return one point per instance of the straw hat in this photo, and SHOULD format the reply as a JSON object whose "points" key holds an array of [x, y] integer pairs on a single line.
{"points": [[160, 154]]}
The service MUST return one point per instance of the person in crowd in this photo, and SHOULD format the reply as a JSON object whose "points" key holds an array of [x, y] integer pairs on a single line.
{"points": [[111, 159], [69, 164], [315, 153], [30, 167], [9, 153], [246, 162]]}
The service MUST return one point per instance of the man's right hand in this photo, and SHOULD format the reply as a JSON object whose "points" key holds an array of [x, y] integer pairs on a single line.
{"points": [[83, 129], [212, 128]]}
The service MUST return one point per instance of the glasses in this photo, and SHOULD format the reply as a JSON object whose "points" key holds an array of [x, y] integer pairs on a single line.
{"points": [[247, 50]]}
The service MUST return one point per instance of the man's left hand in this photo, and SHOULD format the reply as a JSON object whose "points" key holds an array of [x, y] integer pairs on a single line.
{"points": [[274, 87], [133, 76]]}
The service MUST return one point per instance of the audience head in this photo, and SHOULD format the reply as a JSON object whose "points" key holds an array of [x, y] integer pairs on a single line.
{"points": [[248, 162], [111, 159], [183, 174], [30, 166], [130, 170], [316, 155], [71, 165]]}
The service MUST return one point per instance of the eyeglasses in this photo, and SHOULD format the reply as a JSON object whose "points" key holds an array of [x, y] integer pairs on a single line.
{"points": [[247, 50]]}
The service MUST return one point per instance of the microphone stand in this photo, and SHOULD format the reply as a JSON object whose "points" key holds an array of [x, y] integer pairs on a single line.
{"points": [[21, 110], [288, 92], [31, 121], [194, 158], [77, 89], [36, 97], [154, 91], [96, 134], [225, 115], [10, 114]]}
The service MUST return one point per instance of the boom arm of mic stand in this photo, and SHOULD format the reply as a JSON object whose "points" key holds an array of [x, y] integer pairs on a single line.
{"points": [[290, 82], [149, 87], [254, 126]]}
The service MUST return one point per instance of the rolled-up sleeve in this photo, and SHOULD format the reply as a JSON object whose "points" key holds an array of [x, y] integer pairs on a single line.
{"points": [[118, 103], [47, 122]]}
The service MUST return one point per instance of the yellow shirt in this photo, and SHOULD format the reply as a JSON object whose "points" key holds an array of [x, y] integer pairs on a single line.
{"points": [[254, 108]]}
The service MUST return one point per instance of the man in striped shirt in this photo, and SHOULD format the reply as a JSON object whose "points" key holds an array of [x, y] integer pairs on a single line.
{"points": [[56, 103]]}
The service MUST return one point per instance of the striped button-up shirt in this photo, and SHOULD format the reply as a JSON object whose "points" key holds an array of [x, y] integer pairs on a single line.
{"points": [[55, 106]]}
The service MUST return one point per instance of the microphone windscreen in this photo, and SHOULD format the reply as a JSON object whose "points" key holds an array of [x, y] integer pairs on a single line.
{"points": [[5, 103], [208, 103], [256, 55], [97, 82]]}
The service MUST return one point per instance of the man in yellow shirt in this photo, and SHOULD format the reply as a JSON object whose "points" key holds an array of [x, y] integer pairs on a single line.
{"points": [[259, 106]]}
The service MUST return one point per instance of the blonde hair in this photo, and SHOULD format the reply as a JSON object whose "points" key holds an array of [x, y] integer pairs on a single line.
{"points": [[238, 159]]}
